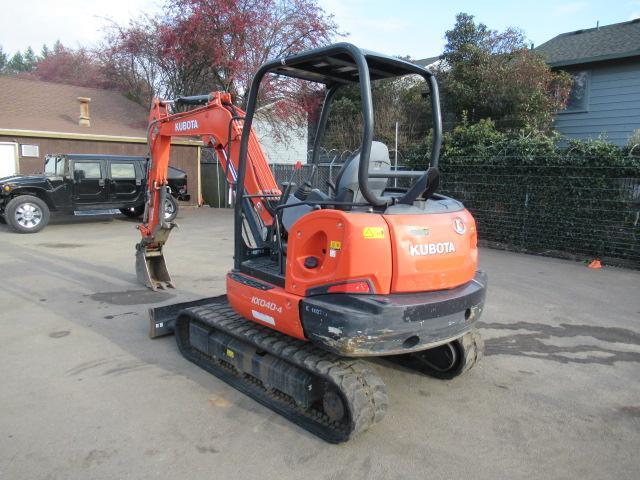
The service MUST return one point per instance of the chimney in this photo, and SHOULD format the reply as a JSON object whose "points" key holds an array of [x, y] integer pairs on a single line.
{"points": [[85, 118]]}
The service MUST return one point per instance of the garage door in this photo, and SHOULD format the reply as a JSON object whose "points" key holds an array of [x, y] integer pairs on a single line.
{"points": [[8, 156]]}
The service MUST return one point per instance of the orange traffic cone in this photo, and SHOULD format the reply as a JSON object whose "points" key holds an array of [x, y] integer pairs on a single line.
{"points": [[595, 264]]}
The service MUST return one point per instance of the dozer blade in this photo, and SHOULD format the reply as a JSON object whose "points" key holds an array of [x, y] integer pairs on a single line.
{"points": [[162, 319]]}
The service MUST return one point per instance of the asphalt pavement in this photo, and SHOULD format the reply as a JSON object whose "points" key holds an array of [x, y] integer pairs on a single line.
{"points": [[85, 394]]}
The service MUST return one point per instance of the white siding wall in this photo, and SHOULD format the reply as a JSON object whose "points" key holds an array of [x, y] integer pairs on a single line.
{"points": [[290, 151]]}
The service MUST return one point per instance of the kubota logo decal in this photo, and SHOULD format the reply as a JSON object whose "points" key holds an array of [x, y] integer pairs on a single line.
{"points": [[459, 226], [431, 249], [186, 125]]}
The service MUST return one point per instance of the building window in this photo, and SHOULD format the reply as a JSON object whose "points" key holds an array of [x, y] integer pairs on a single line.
{"points": [[578, 97], [30, 150]]}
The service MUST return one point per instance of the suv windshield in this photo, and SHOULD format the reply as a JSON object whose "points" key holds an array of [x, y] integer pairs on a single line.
{"points": [[54, 167]]}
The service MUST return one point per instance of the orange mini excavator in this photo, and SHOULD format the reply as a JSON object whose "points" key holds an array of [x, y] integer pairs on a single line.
{"points": [[321, 277]]}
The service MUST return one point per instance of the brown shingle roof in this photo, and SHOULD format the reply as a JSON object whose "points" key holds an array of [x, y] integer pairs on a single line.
{"points": [[34, 105]]}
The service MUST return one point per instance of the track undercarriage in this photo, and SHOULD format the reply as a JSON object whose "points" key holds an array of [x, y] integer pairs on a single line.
{"points": [[332, 397]]}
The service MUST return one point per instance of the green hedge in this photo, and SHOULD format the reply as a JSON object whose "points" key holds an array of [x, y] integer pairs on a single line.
{"points": [[529, 194]]}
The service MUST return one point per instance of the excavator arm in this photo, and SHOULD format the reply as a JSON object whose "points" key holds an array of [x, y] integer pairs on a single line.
{"points": [[218, 123]]}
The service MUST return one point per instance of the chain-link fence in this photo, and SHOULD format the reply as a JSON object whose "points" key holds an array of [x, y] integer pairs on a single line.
{"points": [[215, 187], [573, 211], [569, 210], [324, 174]]}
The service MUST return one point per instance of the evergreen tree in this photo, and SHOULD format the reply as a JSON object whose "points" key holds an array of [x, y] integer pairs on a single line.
{"points": [[16, 63], [30, 59], [58, 47], [490, 74], [3, 61]]}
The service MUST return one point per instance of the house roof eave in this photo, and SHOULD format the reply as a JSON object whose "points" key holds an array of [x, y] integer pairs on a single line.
{"points": [[600, 58]]}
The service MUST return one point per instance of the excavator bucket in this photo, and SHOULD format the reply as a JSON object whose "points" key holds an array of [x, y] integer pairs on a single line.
{"points": [[151, 268]]}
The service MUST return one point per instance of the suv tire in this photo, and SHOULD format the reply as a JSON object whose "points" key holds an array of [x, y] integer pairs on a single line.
{"points": [[27, 214], [171, 208]]}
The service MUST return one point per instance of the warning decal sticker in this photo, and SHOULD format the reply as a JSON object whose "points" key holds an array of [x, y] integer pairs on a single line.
{"points": [[373, 232]]}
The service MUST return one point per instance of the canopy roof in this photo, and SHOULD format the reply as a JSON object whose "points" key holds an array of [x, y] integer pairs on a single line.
{"points": [[337, 64]]}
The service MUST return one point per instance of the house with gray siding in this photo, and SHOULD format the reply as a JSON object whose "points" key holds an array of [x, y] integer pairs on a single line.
{"points": [[604, 63]]}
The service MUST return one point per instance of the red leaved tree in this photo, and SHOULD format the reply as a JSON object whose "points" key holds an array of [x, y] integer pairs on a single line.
{"points": [[198, 46], [72, 67]]}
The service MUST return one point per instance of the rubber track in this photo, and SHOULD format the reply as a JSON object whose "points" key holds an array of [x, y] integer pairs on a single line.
{"points": [[362, 391], [473, 348], [470, 347]]}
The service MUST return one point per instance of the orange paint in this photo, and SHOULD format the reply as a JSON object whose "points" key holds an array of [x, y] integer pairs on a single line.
{"points": [[274, 308], [357, 258], [210, 123], [429, 253]]}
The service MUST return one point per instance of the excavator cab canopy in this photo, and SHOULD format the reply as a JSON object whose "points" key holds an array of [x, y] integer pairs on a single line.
{"points": [[344, 64], [339, 64], [336, 66]]}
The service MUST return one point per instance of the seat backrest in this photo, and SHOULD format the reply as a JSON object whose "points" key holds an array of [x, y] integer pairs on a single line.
{"points": [[347, 187]]}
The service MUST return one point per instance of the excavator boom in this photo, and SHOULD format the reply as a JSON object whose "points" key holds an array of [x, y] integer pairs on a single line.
{"points": [[219, 124]]}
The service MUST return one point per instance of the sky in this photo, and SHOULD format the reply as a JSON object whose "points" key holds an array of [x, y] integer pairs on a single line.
{"points": [[413, 27]]}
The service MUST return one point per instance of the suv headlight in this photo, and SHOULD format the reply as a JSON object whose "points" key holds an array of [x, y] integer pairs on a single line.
{"points": [[6, 188]]}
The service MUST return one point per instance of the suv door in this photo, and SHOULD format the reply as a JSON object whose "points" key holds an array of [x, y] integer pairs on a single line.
{"points": [[125, 182], [89, 184], [56, 169]]}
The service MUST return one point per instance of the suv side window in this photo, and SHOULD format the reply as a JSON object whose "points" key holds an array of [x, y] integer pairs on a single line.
{"points": [[123, 171], [61, 164], [50, 165], [54, 166], [88, 170]]}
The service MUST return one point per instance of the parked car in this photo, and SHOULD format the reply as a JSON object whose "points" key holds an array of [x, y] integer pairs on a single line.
{"points": [[76, 182]]}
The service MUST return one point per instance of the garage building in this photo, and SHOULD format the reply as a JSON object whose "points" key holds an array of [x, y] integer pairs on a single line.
{"points": [[40, 118]]}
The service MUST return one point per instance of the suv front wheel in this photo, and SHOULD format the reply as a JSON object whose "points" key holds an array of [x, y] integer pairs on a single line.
{"points": [[170, 210], [27, 214]]}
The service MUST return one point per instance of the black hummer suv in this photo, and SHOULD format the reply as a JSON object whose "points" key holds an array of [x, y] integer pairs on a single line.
{"points": [[76, 182]]}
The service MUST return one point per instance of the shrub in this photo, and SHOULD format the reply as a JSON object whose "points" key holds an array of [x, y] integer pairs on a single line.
{"points": [[634, 141], [529, 194]]}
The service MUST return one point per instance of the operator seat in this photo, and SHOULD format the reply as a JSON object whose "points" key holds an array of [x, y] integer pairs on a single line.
{"points": [[347, 187]]}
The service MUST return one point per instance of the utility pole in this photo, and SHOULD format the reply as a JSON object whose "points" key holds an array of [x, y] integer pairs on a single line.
{"points": [[395, 180]]}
